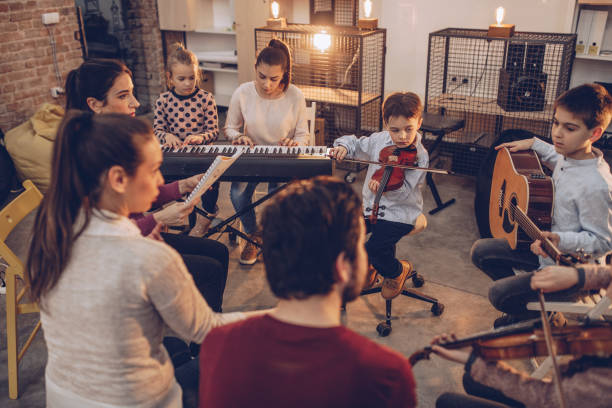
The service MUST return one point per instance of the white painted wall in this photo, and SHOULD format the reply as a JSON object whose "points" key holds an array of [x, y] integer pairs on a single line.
{"points": [[409, 22]]}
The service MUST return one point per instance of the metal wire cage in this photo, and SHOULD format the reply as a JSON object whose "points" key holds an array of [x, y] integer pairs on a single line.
{"points": [[494, 84], [339, 68], [334, 12]]}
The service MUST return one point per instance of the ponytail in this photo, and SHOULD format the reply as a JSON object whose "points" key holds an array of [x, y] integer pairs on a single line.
{"points": [[180, 55], [92, 79], [85, 148], [277, 53]]}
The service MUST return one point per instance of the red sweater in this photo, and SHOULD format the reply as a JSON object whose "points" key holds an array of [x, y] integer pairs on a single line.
{"points": [[263, 362]]}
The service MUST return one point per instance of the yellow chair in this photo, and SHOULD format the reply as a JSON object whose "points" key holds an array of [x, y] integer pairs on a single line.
{"points": [[10, 216]]}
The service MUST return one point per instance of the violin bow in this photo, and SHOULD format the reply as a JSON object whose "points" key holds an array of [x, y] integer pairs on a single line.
{"points": [[551, 349], [401, 166]]}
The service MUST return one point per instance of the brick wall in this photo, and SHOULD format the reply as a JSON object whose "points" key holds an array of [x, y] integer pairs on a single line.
{"points": [[26, 62], [146, 53]]}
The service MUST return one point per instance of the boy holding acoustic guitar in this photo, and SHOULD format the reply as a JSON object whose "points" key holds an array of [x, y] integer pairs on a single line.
{"points": [[581, 205], [398, 193]]}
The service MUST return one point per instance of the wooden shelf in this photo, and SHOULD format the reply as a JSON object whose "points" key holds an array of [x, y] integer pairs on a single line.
{"points": [[486, 106], [334, 95]]}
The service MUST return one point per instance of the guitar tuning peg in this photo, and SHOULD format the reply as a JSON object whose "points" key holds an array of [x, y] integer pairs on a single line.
{"points": [[381, 214], [368, 209], [383, 207]]}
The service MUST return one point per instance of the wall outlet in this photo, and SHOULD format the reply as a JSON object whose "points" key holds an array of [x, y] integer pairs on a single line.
{"points": [[56, 91], [50, 18]]}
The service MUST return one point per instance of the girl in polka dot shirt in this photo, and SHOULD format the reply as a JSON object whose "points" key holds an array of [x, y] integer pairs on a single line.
{"points": [[187, 115]]}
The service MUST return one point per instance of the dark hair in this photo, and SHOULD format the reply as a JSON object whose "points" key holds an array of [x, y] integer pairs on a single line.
{"points": [[407, 104], [86, 146], [180, 55], [590, 102], [277, 53], [305, 228], [92, 79]]}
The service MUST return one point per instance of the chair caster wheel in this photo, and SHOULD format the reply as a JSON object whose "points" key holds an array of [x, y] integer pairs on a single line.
{"points": [[418, 280], [383, 329], [349, 178], [437, 309]]}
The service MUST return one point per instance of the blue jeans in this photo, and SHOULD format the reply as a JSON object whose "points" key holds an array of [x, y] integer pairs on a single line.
{"points": [[241, 195], [381, 245]]}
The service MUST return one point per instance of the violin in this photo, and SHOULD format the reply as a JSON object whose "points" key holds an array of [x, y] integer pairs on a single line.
{"points": [[390, 177], [527, 339]]}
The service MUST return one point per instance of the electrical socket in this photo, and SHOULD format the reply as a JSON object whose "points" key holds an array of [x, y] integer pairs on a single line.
{"points": [[56, 91], [50, 18], [465, 80]]}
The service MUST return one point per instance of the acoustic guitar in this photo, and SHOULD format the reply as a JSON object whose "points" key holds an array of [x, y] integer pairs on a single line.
{"points": [[521, 201]]}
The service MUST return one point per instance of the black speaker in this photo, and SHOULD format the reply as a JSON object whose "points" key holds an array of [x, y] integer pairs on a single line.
{"points": [[514, 59], [534, 60], [521, 91]]}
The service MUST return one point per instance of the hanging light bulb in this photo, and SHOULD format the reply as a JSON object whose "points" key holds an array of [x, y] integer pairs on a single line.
{"points": [[322, 41]]}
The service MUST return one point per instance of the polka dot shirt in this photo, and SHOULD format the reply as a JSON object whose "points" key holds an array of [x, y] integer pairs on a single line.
{"points": [[185, 115]]}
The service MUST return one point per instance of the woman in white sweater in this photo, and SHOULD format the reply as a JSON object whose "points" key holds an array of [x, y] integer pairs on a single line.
{"points": [[267, 111], [105, 291]]}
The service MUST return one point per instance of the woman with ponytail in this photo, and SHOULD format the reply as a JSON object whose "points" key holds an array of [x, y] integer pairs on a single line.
{"points": [[105, 291], [267, 111], [105, 86]]}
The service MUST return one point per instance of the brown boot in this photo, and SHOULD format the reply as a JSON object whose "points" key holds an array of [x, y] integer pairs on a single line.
{"points": [[392, 287], [249, 252], [370, 279]]}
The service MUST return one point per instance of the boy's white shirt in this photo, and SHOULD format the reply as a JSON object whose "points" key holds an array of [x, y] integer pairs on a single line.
{"points": [[582, 212], [402, 205]]}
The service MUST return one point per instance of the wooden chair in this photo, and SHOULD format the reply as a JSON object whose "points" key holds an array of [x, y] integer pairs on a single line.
{"points": [[384, 328], [10, 216]]}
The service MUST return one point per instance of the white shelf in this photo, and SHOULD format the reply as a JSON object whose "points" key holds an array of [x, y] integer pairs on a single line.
{"points": [[594, 57], [213, 69], [215, 30]]}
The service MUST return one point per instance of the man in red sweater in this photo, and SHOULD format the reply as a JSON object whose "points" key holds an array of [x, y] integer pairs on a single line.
{"points": [[300, 355]]}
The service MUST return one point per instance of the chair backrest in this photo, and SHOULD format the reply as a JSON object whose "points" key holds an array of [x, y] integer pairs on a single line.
{"points": [[311, 112], [419, 225], [11, 215]]}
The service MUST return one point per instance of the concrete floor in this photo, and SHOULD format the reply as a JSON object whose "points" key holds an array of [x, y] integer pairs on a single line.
{"points": [[440, 254]]}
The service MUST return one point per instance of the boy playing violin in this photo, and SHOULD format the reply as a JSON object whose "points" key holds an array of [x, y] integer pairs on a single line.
{"points": [[400, 207]]}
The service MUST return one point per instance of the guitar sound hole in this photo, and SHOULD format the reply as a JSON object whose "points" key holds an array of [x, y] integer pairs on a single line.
{"points": [[508, 222]]}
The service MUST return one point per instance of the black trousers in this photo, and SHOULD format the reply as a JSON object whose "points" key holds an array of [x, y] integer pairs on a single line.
{"points": [[207, 261], [480, 396], [381, 245]]}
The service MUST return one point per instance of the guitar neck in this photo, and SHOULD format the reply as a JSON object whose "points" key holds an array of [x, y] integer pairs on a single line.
{"points": [[534, 233]]}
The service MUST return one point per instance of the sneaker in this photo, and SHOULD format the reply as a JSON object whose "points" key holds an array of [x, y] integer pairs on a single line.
{"points": [[392, 287], [249, 252], [201, 226], [371, 278]]}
